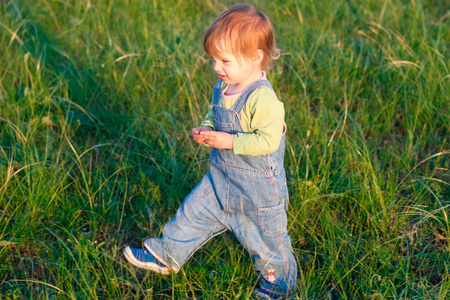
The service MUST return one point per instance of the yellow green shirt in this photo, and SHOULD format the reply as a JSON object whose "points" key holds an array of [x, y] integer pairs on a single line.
{"points": [[262, 120]]}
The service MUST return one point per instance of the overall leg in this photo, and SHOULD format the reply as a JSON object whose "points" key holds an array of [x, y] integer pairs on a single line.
{"points": [[199, 218], [267, 240], [259, 221]]}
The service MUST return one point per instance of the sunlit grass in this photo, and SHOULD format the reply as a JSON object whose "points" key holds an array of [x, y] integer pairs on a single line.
{"points": [[97, 102]]}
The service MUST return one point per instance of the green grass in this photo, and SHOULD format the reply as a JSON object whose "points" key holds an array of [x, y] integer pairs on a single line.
{"points": [[97, 99]]}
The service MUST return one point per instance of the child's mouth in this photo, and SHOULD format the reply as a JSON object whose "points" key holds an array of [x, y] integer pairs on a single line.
{"points": [[221, 76]]}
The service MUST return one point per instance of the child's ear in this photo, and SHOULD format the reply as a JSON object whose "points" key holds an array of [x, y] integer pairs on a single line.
{"points": [[258, 58]]}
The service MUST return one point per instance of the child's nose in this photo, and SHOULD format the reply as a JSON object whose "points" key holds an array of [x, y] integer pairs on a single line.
{"points": [[216, 67]]}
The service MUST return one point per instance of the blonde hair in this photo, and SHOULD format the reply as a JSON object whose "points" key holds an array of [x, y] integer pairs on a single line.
{"points": [[242, 29]]}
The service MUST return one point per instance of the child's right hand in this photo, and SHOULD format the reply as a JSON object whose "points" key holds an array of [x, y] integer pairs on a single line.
{"points": [[197, 136]]}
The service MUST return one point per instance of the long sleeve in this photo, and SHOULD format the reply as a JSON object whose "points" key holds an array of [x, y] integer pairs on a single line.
{"points": [[262, 120], [210, 120]]}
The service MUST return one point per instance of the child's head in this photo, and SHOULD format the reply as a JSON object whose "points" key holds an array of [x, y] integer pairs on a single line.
{"points": [[242, 30]]}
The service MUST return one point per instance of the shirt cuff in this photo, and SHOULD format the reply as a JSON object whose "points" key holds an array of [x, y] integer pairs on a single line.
{"points": [[238, 144]]}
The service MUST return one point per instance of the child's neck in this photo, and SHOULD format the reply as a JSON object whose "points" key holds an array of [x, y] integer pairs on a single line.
{"points": [[227, 95], [239, 87]]}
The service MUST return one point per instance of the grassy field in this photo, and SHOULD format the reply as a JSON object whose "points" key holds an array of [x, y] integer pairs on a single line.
{"points": [[97, 99]]}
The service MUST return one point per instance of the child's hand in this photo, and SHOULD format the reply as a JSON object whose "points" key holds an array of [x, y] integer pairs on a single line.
{"points": [[218, 139], [196, 134]]}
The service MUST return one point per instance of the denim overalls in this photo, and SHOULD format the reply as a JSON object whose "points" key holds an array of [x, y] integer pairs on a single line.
{"points": [[246, 194]]}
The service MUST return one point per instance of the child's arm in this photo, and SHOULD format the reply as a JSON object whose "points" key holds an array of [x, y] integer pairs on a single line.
{"points": [[210, 119], [265, 127], [208, 124], [218, 139], [266, 115], [205, 134]]}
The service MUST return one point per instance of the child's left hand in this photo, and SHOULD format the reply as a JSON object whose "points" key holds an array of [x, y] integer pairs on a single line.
{"points": [[218, 139]]}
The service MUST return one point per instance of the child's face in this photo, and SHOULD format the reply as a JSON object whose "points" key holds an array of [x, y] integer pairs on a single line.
{"points": [[236, 71]]}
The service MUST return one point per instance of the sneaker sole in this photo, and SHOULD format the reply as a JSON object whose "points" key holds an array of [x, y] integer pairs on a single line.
{"points": [[149, 266]]}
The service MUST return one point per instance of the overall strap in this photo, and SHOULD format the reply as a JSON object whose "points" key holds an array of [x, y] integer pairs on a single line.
{"points": [[216, 93], [240, 102]]}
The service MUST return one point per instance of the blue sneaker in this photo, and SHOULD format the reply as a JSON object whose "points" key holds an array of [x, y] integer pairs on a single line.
{"points": [[261, 294], [142, 258]]}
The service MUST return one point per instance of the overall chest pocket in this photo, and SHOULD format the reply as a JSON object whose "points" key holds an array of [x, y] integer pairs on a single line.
{"points": [[225, 127]]}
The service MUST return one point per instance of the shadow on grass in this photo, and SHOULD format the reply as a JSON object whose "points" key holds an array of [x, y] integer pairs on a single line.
{"points": [[86, 91]]}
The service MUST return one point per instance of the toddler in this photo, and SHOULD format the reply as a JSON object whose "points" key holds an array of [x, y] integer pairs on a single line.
{"points": [[245, 190]]}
